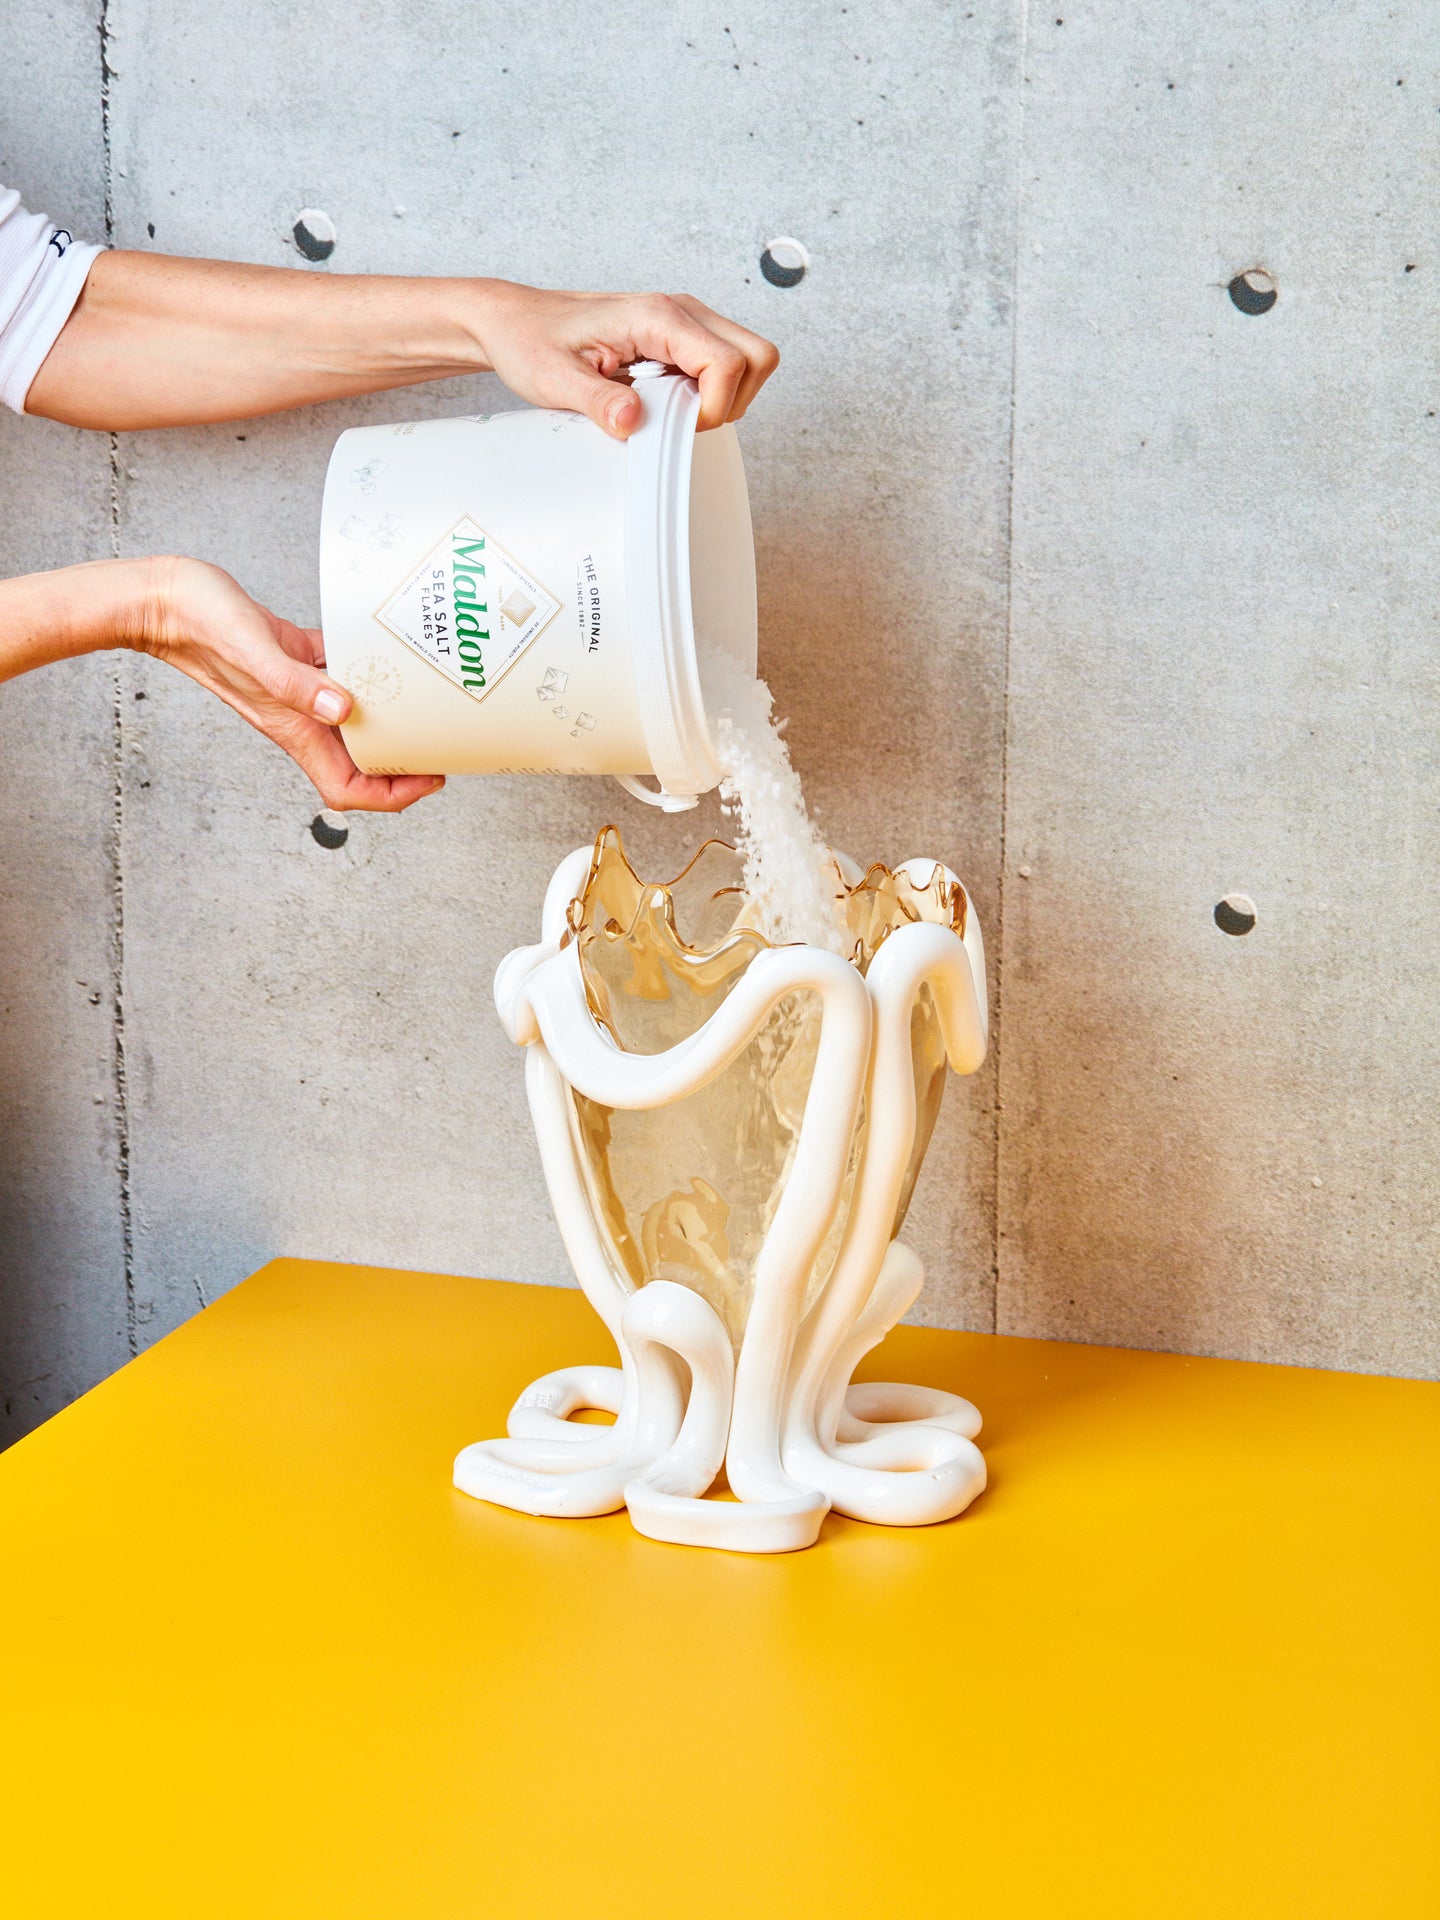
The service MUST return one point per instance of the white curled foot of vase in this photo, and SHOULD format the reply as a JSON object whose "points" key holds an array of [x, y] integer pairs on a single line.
{"points": [[739, 1526], [674, 1320], [544, 1438], [578, 1478], [886, 1404], [911, 1477], [501, 1471], [665, 1502], [543, 1411]]}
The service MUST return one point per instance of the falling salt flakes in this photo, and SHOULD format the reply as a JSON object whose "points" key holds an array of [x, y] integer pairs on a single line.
{"points": [[788, 873]]}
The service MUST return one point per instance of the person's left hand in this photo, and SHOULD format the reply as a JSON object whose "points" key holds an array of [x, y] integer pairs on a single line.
{"points": [[565, 349], [199, 619]]}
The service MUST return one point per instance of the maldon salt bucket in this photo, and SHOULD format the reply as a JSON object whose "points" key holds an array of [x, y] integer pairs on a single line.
{"points": [[519, 593]]}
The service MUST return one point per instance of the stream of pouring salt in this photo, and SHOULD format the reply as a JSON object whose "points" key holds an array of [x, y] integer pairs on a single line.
{"points": [[789, 875]]}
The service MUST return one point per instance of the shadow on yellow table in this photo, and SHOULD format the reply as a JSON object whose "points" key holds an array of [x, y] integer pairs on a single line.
{"points": [[260, 1659]]}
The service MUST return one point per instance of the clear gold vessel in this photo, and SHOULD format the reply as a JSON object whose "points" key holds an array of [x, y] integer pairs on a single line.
{"points": [[731, 1133]]}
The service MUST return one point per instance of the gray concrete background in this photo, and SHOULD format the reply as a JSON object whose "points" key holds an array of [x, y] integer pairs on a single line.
{"points": [[63, 1308], [1070, 572]]}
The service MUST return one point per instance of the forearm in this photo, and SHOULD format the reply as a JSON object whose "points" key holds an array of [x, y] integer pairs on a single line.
{"points": [[202, 622], [55, 616], [159, 341]]}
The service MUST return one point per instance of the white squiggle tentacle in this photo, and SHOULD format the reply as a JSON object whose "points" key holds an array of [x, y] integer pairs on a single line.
{"points": [[666, 1501], [682, 1322], [590, 1061], [596, 1265], [554, 995], [874, 1404], [586, 1470], [842, 1326], [602, 1279], [543, 1411], [546, 1477], [902, 1474], [913, 956], [872, 1409]]}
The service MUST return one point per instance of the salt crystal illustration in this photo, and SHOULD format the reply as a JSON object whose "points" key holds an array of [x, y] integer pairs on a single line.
{"points": [[386, 533], [366, 476], [516, 607]]}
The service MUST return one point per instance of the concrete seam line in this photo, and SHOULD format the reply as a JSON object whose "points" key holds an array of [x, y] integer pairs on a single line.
{"points": [[117, 789], [997, 1025]]}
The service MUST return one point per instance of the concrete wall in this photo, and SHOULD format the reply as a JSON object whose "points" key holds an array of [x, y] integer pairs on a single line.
{"points": [[1070, 571], [64, 1315]]}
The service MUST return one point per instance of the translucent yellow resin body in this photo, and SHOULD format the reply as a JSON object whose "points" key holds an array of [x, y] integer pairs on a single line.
{"points": [[688, 1192]]}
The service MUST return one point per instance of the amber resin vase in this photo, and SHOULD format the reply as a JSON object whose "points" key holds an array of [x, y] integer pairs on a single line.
{"points": [[731, 1133]]}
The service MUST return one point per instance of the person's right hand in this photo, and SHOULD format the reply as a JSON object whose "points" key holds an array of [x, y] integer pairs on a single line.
{"points": [[199, 619], [568, 349], [159, 341]]}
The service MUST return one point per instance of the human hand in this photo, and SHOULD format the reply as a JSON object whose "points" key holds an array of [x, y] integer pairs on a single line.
{"points": [[196, 617], [160, 341], [565, 349]]}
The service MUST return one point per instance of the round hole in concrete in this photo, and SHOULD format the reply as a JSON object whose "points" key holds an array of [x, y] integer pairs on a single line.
{"points": [[314, 233], [331, 831], [1235, 914], [784, 262], [1254, 291]]}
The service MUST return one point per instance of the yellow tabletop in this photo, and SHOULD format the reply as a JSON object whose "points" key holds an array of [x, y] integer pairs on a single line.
{"points": [[261, 1660]]}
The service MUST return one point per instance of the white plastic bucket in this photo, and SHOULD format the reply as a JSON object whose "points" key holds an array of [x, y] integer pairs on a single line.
{"points": [[519, 593]]}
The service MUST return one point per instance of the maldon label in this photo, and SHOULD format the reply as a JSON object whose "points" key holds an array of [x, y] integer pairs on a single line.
{"points": [[469, 608]]}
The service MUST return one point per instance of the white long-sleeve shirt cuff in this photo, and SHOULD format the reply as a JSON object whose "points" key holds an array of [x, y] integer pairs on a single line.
{"points": [[42, 270]]}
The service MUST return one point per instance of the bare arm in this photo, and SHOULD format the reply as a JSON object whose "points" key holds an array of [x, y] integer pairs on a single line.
{"points": [[159, 341], [201, 621]]}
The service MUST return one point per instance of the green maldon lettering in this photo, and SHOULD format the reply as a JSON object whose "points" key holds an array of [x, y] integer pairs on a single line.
{"points": [[467, 574]]}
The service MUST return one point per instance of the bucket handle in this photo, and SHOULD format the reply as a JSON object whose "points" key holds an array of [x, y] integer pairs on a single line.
{"points": [[667, 802]]}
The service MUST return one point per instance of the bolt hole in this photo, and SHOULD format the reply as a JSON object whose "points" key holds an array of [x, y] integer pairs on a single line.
{"points": [[330, 831], [784, 263], [1235, 914], [1254, 291], [314, 233]]}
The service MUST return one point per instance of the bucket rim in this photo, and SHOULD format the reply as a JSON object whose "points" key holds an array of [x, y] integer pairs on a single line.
{"points": [[659, 605]]}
